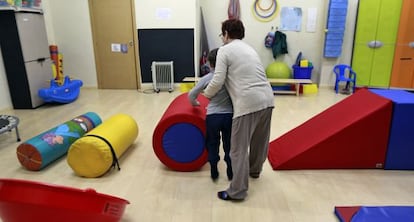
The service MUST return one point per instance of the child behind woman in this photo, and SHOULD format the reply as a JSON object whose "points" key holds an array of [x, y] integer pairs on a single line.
{"points": [[218, 120]]}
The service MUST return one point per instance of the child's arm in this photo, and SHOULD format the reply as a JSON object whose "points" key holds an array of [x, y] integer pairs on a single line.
{"points": [[197, 89]]}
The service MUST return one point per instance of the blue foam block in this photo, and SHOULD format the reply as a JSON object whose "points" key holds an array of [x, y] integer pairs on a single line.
{"points": [[400, 152]]}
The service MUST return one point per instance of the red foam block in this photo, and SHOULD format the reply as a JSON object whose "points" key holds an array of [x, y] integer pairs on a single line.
{"points": [[350, 134]]}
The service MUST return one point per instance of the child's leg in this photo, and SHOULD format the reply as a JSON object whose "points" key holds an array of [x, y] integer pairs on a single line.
{"points": [[213, 142]]}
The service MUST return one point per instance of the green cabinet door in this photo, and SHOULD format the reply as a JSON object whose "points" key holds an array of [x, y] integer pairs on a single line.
{"points": [[366, 30], [374, 43]]}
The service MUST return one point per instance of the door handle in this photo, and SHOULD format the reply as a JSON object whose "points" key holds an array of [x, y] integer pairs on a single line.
{"points": [[411, 44], [372, 44], [40, 60], [375, 44]]}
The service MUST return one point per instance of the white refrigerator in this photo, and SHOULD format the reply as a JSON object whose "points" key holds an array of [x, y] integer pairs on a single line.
{"points": [[26, 56]]}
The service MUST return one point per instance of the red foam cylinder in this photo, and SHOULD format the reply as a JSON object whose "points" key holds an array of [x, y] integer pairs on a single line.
{"points": [[181, 111]]}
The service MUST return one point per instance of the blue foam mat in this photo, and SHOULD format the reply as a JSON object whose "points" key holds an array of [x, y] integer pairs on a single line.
{"points": [[375, 214], [384, 214]]}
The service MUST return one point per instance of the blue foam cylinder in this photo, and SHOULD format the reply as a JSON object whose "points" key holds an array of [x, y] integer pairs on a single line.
{"points": [[41, 150]]}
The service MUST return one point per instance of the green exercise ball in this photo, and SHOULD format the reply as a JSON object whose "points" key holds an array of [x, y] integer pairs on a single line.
{"points": [[278, 70]]}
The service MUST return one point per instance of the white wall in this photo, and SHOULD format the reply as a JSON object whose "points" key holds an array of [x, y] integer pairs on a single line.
{"points": [[215, 11], [169, 14], [327, 78], [154, 14], [309, 43], [68, 26], [70, 23]]}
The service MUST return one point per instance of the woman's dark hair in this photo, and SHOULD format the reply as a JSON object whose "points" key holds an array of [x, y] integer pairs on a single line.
{"points": [[212, 55], [234, 28]]}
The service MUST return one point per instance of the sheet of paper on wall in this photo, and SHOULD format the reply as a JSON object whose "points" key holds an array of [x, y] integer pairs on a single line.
{"points": [[312, 15], [115, 47], [163, 13], [291, 19]]}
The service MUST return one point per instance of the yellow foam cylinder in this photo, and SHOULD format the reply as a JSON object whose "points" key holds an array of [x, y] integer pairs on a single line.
{"points": [[91, 155]]}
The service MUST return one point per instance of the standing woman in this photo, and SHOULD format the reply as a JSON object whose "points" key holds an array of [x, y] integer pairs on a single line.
{"points": [[239, 69]]}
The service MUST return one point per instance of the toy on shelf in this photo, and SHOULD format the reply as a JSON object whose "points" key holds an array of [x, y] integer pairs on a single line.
{"points": [[34, 4], [4, 3], [62, 89]]}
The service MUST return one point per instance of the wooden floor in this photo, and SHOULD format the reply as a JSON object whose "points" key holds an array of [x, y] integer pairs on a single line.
{"points": [[158, 194]]}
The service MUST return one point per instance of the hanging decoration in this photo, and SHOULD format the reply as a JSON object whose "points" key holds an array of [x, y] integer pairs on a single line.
{"points": [[270, 38], [204, 48], [265, 12], [234, 9]]}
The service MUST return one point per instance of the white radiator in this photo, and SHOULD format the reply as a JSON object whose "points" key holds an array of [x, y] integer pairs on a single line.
{"points": [[162, 76]]}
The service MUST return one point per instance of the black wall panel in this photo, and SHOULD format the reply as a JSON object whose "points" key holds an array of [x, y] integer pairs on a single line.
{"points": [[160, 45]]}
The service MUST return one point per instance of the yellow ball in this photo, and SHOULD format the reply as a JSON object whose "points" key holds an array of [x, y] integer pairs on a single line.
{"points": [[278, 70]]}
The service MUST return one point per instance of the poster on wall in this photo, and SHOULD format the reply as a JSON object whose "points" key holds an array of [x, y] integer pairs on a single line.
{"points": [[163, 13], [311, 24], [291, 19]]}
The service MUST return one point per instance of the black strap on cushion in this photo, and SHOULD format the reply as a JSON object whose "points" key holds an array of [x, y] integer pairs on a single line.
{"points": [[115, 159]]}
